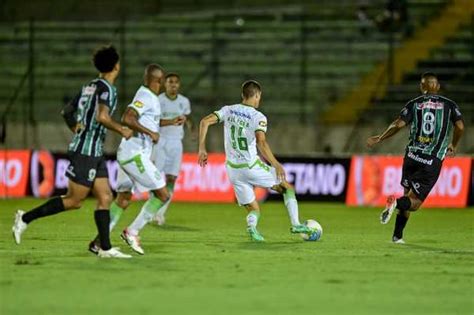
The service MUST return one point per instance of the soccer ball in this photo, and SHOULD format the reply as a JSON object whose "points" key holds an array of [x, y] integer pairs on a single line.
{"points": [[317, 231]]}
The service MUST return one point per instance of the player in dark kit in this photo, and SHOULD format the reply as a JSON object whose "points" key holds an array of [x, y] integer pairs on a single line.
{"points": [[89, 116], [431, 119]]}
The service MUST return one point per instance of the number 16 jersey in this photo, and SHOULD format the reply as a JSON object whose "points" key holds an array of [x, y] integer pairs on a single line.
{"points": [[430, 118], [240, 124]]}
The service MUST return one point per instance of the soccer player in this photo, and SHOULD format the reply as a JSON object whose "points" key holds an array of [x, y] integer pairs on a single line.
{"points": [[169, 151], [137, 170], [90, 118], [431, 118], [244, 132]]}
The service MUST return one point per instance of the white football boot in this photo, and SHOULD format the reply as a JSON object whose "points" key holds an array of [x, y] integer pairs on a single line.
{"points": [[19, 226], [133, 241], [388, 211], [114, 252]]}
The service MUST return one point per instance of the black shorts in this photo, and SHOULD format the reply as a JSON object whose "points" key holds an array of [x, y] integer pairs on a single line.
{"points": [[85, 169], [420, 173]]}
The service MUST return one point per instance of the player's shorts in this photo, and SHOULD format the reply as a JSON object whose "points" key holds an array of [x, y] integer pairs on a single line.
{"points": [[138, 172], [420, 173], [84, 169], [168, 156], [244, 178]]}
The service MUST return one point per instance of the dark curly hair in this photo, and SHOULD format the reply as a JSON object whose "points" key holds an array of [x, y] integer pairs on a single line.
{"points": [[105, 58]]}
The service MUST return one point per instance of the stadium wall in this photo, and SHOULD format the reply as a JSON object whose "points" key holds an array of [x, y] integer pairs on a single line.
{"points": [[357, 180]]}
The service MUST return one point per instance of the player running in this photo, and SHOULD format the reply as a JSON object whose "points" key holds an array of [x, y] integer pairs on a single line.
{"points": [[134, 156], [89, 116], [169, 151], [431, 119], [244, 132]]}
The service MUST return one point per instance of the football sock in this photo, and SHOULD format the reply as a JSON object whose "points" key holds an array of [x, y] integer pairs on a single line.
{"points": [[292, 206], [147, 213], [403, 203], [400, 224], [165, 207], [115, 214], [102, 220], [252, 218], [50, 207]]}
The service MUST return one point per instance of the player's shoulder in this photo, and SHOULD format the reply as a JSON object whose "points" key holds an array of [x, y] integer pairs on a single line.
{"points": [[416, 99], [182, 98], [145, 93], [447, 100], [103, 85]]}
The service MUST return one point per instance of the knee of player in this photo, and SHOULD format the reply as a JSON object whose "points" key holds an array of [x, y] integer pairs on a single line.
{"points": [[106, 199], [72, 204], [415, 204], [162, 194], [123, 200]]}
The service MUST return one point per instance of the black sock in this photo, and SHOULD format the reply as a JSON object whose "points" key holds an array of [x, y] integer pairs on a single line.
{"points": [[403, 203], [102, 220], [50, 207], [400, 224]]}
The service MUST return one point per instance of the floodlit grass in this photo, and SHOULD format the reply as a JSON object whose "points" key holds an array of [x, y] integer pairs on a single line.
{"points": [[202, 262]]}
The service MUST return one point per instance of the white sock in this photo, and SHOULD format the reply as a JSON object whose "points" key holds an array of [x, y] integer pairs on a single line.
{"points": [[292, 206], [252, 218], [148, 211]]}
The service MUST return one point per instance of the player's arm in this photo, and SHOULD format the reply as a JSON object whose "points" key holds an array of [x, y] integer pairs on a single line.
{"points": [[69, 113], [207, 121], [103, 117], [172, 122], [397, 125], [266, 151], [130, 119], [457, 134]]}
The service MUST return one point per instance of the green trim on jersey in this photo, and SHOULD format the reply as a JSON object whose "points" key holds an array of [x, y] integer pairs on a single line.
{"points": [[219, 119], [260, 130], [137, 160], [257, 162]]}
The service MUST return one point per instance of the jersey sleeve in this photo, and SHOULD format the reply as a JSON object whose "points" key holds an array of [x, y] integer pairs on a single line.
{"points": [[455, 113], [406, 114], [104, 94], [187, 106], [69, 111], [260, 123], [221, 114], [141, 103]]}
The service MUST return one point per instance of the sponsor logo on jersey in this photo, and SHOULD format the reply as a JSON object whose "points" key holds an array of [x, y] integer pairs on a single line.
{"points": [[425, 139], [138, 104], [418, 158], [262, 123], [240, 114], [430, 105], [104, 96], [404, 112]]}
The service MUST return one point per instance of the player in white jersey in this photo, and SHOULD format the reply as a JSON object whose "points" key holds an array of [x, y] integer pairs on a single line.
{"points": [[169, 151], [137, 170], [244, 132]]}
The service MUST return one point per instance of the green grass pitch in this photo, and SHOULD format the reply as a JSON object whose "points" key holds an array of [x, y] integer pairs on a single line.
{"points": [[204, 263]]}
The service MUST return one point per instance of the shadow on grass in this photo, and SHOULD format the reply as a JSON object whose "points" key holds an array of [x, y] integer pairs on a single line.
{"points": [[284, 245], [439, 250]]}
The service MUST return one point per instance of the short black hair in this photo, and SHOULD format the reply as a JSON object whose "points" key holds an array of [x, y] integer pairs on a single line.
{"points": [[250, 88], [428, 75], [150, 71], [105, 58], [172, 74]]}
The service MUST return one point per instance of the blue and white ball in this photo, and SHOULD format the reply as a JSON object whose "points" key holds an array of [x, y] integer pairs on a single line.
{"points": [[317, 231]]}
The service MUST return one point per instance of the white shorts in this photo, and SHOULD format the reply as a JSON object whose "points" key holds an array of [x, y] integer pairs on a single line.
{"points": [[168, 156], [244, 180], [138, 172]]}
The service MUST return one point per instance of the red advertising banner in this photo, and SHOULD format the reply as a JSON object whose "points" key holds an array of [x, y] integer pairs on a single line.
{"points": [[373, 178], [14, 171], [208, 184]]}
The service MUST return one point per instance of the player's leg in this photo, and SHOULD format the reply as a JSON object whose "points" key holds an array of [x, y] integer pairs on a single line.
{"points": [[172, 154], [103, 194], [76, 193], [124, 196], [253, 215], [160, 215]]}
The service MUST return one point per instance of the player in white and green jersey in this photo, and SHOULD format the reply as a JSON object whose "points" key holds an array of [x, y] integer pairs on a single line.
{"points": [[244, 132], [169, 151]]}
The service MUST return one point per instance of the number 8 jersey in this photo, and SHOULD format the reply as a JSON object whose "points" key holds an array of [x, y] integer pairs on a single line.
{"points": [[430, 119], [240, 124]]}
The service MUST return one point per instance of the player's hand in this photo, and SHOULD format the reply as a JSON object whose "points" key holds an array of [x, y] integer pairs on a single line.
{"points": [[126, 132], [280, 172], [178, 121], [154, 137], [372, 141], [451, 150], [202, 158]]}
